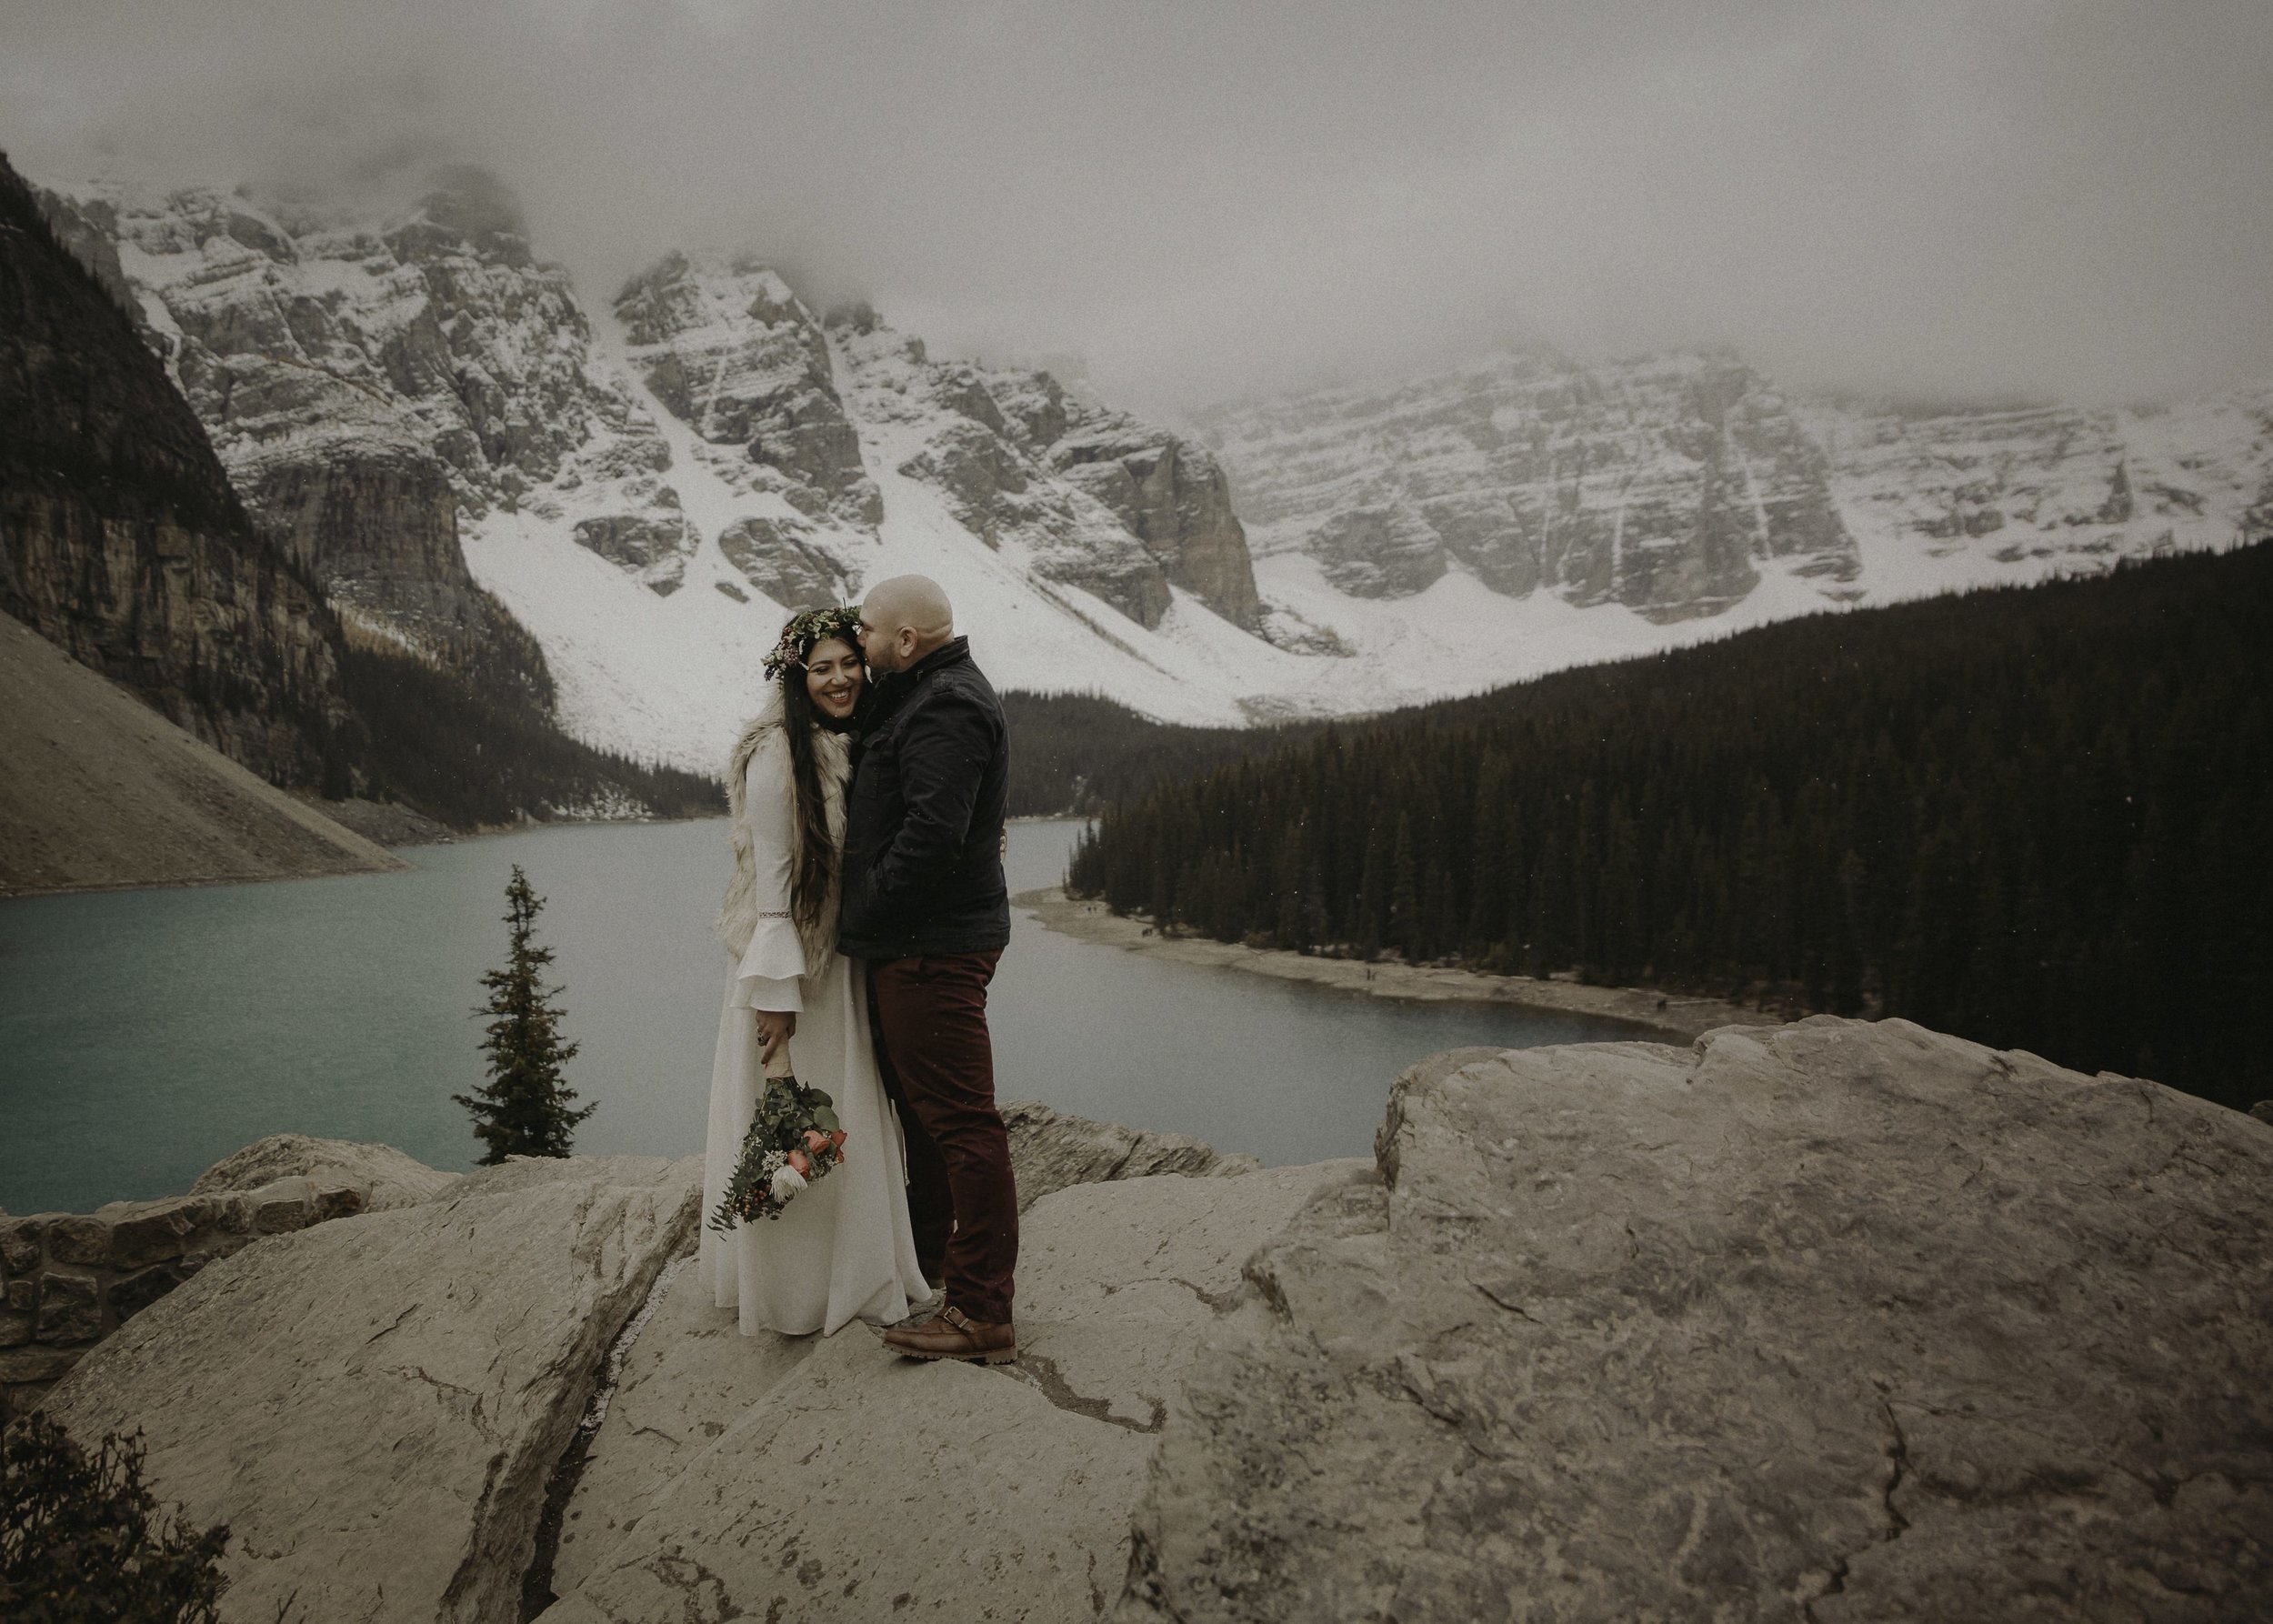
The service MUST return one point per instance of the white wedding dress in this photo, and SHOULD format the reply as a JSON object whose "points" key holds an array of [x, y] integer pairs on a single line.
{"points": [[843, 1248]]}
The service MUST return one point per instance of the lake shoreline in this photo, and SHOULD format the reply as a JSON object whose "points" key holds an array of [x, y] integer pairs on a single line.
{"points": [[1660, 1014], [447, 836]]}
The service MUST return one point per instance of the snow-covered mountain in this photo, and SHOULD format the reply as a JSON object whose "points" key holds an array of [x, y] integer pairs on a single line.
{"points": [[447, 430], [1530, 511], [426, 410]]}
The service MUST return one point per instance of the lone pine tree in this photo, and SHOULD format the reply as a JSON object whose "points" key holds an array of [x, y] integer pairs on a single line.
{"points": [[524, 1110]]}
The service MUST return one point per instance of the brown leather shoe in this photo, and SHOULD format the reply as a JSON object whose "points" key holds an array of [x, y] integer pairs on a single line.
{"points": [[950, 1334]]}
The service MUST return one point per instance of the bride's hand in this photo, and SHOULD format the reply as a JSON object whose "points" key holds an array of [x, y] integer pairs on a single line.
{"points": [[775, 1027]]}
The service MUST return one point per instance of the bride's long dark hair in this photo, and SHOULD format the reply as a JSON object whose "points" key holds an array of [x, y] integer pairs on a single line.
{"points": [[817, 857]]}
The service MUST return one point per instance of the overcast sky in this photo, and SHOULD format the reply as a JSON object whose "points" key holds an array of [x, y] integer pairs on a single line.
{"points": [[1218, 198]]}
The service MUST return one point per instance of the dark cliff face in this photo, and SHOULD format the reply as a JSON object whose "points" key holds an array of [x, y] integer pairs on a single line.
{"points": [[1172, 496], [122, 541]]}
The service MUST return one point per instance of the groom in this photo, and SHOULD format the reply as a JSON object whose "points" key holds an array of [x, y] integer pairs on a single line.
{"points": [[926, 906]]}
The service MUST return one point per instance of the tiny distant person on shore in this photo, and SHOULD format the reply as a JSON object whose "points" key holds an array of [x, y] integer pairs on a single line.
{"points": [[868, 912]]}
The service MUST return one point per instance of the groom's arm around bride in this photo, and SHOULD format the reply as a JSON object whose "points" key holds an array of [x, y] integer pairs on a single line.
{"points": [[926, 906]]}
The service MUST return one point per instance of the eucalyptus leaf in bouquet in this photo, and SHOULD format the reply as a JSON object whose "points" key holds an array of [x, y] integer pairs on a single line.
{"points": [[793, 1139]]}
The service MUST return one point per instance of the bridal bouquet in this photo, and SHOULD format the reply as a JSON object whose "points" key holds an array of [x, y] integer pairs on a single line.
{"points": [[793, 1140]]}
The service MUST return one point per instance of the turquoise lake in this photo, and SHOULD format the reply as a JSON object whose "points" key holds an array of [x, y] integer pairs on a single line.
{"points": [[144, 1035]]}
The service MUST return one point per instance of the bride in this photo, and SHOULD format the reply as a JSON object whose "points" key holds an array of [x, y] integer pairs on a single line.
{"points": [[843, 1249]]}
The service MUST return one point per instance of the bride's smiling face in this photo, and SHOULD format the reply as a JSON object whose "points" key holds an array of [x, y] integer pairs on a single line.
{"points": [[833, 677]]}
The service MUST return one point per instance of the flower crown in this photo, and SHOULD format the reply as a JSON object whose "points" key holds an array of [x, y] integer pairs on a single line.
{"points": [[806, 628]]}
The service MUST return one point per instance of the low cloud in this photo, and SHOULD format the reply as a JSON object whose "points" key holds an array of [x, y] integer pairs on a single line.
{"points": [[1959, 199]]}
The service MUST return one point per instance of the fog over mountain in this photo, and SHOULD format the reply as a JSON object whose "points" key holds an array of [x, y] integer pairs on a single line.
{"points": [[1936, 198]]}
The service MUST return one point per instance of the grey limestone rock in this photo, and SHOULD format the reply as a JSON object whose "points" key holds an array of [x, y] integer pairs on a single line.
{"points": [[1050, 1150], [1654, 483], [387, 1176], [1837, 1321], [1174, 497], [376, 522], [858, 1486], [686, 1377], [782, 558], [374, 1405], [1381, 551], [653, 546]]}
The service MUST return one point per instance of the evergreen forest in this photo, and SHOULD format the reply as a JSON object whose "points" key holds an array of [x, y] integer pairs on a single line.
{"points": [[1079, 753], [2040, 818], [474, 752]]}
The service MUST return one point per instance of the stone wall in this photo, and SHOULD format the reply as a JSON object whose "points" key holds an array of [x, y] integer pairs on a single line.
{"points": [[68, 1280]]}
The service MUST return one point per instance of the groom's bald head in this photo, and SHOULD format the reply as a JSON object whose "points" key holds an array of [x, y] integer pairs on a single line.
{"points": [[902, 620]]}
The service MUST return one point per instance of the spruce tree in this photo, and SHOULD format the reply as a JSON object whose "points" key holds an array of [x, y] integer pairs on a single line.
{"points": [[524, 1110]]}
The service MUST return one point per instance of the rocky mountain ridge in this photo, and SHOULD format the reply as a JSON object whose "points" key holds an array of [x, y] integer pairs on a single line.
{"points": [[462, 445], [357, 406], [1660, 485], [1688, 489], [418, 404]]}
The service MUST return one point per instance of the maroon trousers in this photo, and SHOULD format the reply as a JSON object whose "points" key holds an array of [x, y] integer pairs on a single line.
{"points": [[929, 1016]]}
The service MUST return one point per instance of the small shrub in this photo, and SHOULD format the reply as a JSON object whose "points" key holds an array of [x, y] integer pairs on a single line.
{"points": [[82, 1541]]}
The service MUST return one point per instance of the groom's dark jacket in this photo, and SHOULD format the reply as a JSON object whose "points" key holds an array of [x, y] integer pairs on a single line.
{"points": [[923, 820]]}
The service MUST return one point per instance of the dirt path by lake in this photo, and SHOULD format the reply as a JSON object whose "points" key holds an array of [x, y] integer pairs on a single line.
{"points": [[1665, 1015]]}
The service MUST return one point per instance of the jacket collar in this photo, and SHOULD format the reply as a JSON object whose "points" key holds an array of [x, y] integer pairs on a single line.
{"points": [[893, 691], [956, 651]]}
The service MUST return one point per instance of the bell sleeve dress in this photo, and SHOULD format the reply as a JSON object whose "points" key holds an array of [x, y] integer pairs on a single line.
{"points": [[843, 1248]]}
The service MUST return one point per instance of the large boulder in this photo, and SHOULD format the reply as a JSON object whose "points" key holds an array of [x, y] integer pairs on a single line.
{"points": [[1051, 1150], [386, 1177], [1840, 1320], [376, 1405], [836, 1481]]}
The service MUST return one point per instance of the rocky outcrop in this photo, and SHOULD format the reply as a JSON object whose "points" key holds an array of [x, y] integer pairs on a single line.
{"points": [[689, 1372], [69, 1279], [785, 559], [1835, 1321], [1174, 499], [101, 790], [857, 1485], [1053, 1151], [375, 1406], [1384, 551], [122, 542], [378, 525], [382, 1177]]}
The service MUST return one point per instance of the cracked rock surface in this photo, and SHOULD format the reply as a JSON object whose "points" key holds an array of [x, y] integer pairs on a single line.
{"points": [[1839, 1321], [374, 1405], [847, 1484], [687, 1374]]}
